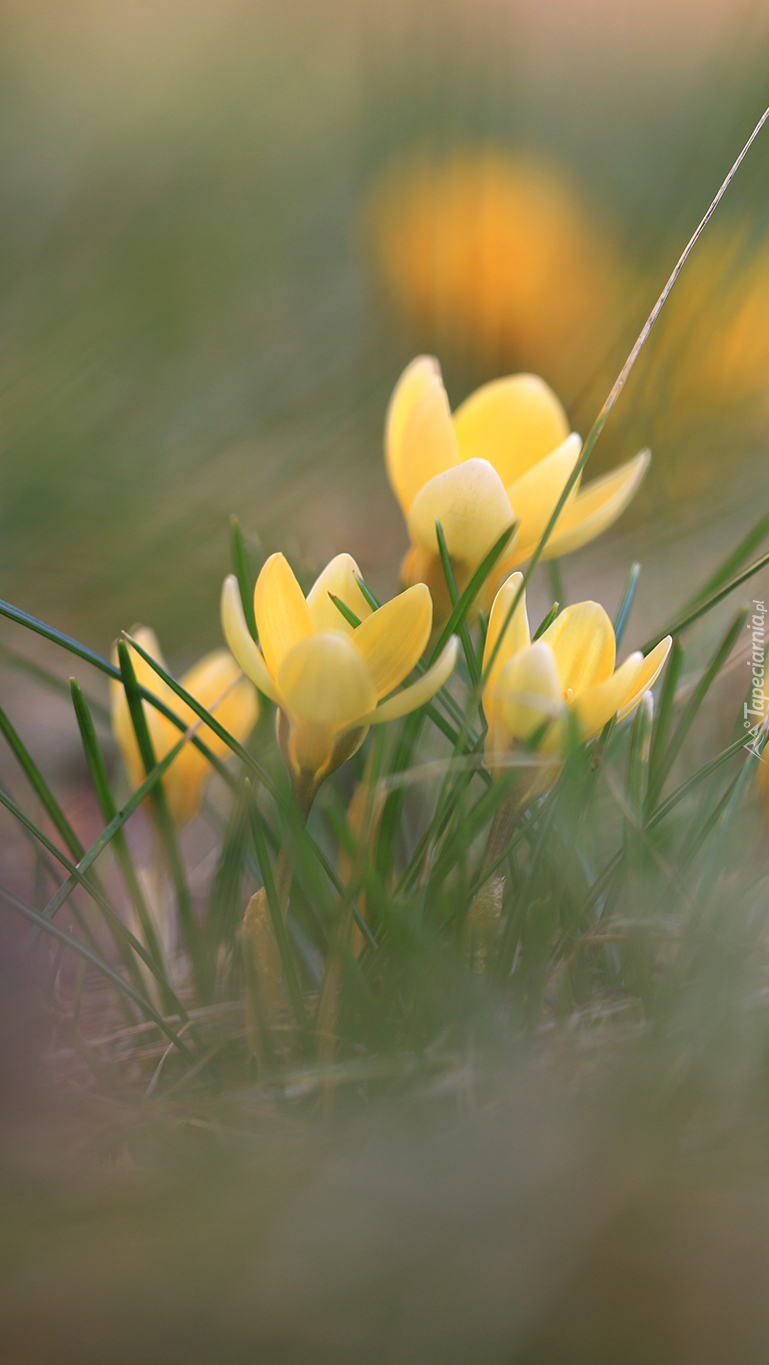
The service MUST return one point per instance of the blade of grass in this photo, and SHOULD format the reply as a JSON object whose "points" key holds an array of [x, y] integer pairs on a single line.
{"points": [[547, 621], [555, 578], [689, 785], [467, 598], [664, 715], [162, 816], [108, 834], [243, 573], [731, 564], [626, 605], [688, 618], [278, 922], [40, 787], [373, 601], [61, 824], [451, 584], [109, 811]]}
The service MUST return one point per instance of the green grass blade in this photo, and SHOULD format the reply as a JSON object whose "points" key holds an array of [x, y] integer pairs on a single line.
{"points": [[451, 584], [109, 811], [243, 573], [689, 617], [40, 787], [278, 922], [547, 621], [689, 785], [373, 601], [467, 598], [162, 816], [626, 605], [345, 611], [555, 577], [664, 717], [733, 561]]}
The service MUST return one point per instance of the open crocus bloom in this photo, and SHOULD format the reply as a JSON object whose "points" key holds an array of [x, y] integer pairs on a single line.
{"points": [[326, 676], [505, 456], [217, 682], [531, 688]]}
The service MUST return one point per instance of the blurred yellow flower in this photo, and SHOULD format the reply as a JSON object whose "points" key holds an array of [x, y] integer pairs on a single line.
{"points": [[216, 681], [327, 677], [505, 455], [499, 258], [532, 688]]}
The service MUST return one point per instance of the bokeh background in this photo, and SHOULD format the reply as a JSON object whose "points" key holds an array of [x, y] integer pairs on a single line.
{"points": [[225, 227]]}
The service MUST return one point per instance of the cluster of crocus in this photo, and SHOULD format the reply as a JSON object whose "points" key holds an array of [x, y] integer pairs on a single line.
{"points": [[334, 663], [502, 460], [537, 692]]}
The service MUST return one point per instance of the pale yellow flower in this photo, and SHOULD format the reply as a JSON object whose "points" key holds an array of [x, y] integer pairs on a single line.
{"points": [[215, 681], [504, 456], [532, 689], [327, 677]]}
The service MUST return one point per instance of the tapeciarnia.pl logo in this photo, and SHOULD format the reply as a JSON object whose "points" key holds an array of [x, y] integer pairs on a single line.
{"points": [[755, 709]]}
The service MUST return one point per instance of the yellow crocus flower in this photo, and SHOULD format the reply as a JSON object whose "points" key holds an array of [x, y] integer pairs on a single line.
{"points": [[504, 456], [216, 681], [570, 669], [327, 677]]}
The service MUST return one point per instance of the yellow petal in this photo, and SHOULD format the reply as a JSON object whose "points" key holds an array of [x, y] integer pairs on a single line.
{"points": [[417, 377], [217, 682], [472, 506], [419, 436], [529, 691], [512, 422], [647, 676], [340, 577], [595, 706], [534, 496], [323, 679], [421, 691], [282, 615], [596, 506], [582, 639], [517, 635], [239, 639], [393, 639]]}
